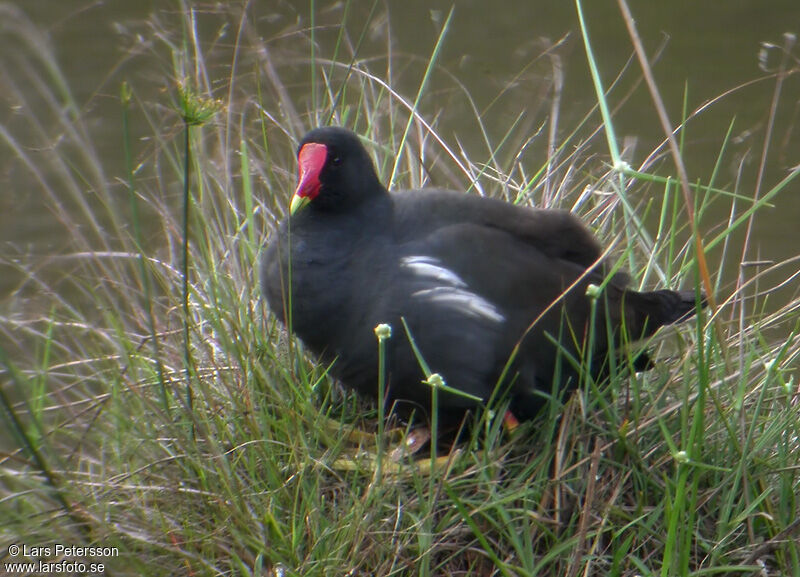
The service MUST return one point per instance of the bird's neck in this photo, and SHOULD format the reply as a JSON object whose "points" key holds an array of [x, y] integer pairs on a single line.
{"points": [[372, 213]]}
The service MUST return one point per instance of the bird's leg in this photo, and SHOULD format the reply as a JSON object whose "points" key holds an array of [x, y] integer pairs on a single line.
{"points": [[510, 422]]}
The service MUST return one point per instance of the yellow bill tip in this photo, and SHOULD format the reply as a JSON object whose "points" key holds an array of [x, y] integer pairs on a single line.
{"points": [[297, 203]]}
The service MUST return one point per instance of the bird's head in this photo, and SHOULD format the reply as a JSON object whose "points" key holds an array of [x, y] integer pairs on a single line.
{"points": [[335, 173]]}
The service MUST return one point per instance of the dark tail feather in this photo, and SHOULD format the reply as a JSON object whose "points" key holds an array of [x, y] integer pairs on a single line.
{"points": [[665, 307]]}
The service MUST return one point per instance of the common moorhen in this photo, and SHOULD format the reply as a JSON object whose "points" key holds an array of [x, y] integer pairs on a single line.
{"points": [[472, 277]]}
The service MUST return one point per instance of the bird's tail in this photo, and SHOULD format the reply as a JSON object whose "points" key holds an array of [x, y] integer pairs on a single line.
{"points": [[666, 307]]}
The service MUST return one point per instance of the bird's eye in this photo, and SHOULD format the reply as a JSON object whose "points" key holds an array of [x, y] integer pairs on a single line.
{"points": [[336, 160]]}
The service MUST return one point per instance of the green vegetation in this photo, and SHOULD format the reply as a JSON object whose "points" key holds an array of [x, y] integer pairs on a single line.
{"points": [[150, 403]]}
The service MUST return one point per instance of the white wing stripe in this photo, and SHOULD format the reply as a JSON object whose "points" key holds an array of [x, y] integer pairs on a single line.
{"points": [[463, 300], [429, 267], [454, 293]]}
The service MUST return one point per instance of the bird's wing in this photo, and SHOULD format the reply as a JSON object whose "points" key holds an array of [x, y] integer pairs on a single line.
{"points": [[458, 332], [556, 233], [476, 290]]}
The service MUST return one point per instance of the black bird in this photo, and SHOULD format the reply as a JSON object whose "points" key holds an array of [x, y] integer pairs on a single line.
{"points": [[473, 278]]}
